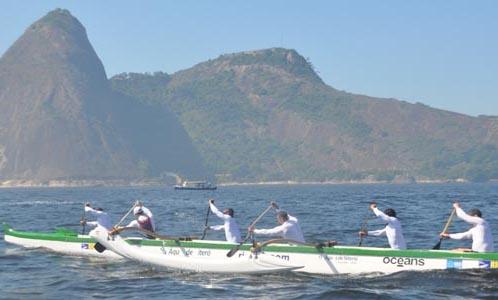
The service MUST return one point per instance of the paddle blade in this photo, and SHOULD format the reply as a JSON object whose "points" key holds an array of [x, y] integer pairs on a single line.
{"points": [[204, 233], [99, 247], [233, 251], [438, 245]]}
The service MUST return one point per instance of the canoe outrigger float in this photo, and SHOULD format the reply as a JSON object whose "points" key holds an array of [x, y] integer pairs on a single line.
{"points": [[61, 240], [273, 256]]}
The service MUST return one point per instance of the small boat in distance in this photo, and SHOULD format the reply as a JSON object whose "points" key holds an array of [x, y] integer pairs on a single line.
{"points": [[195, 185]]}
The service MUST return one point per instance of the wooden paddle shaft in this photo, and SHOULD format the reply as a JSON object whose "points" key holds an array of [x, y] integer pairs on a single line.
{"points": [[124, 217], [449, 220], [261, 215]]}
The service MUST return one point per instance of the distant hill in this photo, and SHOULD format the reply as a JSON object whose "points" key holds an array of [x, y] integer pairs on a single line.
{"points": [[61, 120], [266, 115]]}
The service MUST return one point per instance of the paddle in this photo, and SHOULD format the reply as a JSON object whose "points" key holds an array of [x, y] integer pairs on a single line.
{"points": [[363, 228], [364, 225], [126, 215], [237, 247], [206, 223], [438, 245], [83, 221], [152, 234], [101, 248]]}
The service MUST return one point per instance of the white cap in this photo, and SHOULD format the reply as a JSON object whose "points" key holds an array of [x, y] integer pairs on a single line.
{"points": [[137, 210]]}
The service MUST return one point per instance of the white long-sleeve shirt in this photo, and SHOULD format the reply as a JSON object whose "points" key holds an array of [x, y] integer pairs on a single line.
{"points": [[289, 230], [103, 218], [480, 233], [148, 213], [393, 230], [232, 231]]}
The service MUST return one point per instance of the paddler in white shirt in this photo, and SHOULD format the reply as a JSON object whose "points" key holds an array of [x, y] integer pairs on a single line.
{"points": [[143, 218], [393, 229], [102, 217], [288, 229], [480, 233], [232, 231]]}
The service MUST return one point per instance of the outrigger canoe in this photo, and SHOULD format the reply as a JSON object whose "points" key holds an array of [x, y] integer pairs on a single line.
{"points": [[277, 256], [69, 242], [211, 256]]}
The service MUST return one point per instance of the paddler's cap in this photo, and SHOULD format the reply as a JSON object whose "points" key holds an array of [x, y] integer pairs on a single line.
{"points": [[283, 214], [390, 212], [475, 213], [228, 211], [138, 211]]}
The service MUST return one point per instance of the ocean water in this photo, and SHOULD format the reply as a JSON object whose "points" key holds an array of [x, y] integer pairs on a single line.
{"points": [[325, 212]]}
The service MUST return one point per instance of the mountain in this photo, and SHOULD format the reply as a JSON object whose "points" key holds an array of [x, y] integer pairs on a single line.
{"points": [[267, 115], [60, 119]]}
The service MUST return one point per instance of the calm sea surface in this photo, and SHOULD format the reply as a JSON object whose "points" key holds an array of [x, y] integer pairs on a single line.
{"points": [[325, 212]]}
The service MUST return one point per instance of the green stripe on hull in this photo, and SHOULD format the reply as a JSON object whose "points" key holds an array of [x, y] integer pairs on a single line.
{"points": [[71, 236]]}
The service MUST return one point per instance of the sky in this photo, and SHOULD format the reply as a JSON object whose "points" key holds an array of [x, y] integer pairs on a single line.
{"points": [[440, 53]]}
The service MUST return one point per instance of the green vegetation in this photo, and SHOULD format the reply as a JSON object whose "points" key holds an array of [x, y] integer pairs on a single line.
{"points": [[266, 115]]}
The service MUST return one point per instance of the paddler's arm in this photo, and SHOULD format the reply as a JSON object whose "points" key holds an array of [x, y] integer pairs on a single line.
{"points": [[133, 223], [216, 211], [273, 231], [467, 235], [217, 227], [464, 216], [377, 232], [381, 215], [277, 210]]}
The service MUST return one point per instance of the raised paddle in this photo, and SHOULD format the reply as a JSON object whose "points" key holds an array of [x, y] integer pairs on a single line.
{"points": [[83, 221], [438, 245], [126, 215], [206, 222], [237, 247]]}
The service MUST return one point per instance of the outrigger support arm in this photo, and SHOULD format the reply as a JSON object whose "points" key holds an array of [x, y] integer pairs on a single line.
{"points": [[118, 230], [320, 245]]}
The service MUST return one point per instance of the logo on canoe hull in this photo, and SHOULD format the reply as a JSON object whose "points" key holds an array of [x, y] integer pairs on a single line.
{"points": [[88, 246], [488, 264], [403, 261], [454, 264]]}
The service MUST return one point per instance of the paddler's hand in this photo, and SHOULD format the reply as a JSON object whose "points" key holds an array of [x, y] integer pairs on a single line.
{"points": [[274, 205], [211, 201], [114, 230], [250, 229], [456, 205], [444, 235], [83, 222], [373, 205], [363, 233]]}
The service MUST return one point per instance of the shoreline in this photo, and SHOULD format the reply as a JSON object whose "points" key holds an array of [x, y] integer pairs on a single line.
{"points": [[157, 183]]}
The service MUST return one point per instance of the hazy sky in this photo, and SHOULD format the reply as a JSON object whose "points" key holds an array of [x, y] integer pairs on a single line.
{"points": [[441, 53]]}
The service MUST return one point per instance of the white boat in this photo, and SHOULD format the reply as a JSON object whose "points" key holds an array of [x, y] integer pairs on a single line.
{"points": [[211, 256], [201, 258], [276, 256], [195, 185]]}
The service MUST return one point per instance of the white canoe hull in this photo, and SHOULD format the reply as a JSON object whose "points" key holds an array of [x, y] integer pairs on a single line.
{"points": [[83, 248], [198, 260]]}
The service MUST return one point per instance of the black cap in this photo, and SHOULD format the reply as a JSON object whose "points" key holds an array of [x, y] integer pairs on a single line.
{"points": [[283, 214], [390, 212], [475, 212], [228, 211]]}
